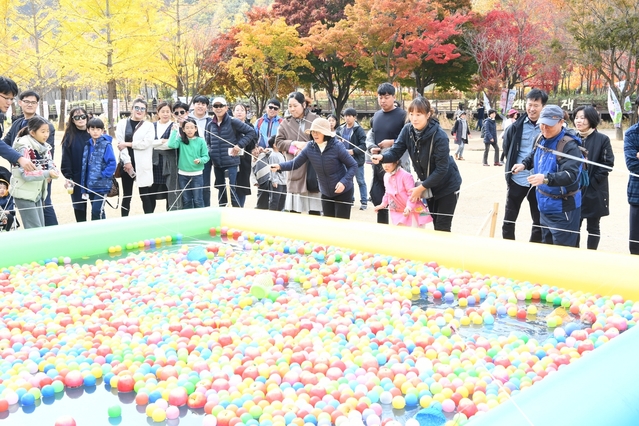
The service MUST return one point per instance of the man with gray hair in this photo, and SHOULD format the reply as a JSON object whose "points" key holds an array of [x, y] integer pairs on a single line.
{"points": [[556, 177]]}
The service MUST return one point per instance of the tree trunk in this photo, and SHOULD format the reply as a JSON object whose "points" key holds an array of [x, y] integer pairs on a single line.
{"points": [[619, 133], [110, 98], [63, 106]]}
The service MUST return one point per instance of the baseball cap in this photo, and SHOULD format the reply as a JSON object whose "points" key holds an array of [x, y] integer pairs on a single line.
{"points": [[219, 100], [550, 115]]}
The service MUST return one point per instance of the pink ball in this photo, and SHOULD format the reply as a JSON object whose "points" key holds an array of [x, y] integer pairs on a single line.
{"points": [[209, 420], [172, 412], [448, 406], [11, 397], [65, 421], [161, 403]]}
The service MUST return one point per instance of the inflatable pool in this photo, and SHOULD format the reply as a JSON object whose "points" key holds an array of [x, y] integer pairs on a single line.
{"points": [[610, 367]]}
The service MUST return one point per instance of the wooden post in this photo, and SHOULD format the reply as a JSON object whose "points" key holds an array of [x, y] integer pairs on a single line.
{"points": [[493, 220]]}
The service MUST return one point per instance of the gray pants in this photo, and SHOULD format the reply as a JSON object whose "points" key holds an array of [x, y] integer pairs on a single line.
{"points": [[31, 213]]}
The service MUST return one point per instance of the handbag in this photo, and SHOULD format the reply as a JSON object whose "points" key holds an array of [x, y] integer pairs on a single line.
{"points": [[428, 193], [115, 188], [118, 170]]}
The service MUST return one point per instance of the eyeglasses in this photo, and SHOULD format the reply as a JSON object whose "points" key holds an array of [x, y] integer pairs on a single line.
{"points": [[139, 108], [79, 117], [6, 99], [219, 106], [180, 112], [273, 107], [29, 102]]}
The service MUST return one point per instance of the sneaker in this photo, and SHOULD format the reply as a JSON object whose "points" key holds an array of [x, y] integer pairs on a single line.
{"points": [[486, 165], [363, 207], [499, 164]]}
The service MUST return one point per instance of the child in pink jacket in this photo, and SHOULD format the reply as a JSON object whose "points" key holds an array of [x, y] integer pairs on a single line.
{"points": [[398, 182]]}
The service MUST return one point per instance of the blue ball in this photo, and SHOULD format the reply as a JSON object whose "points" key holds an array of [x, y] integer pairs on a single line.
{"points": [[47, 391], [27, 399], [154, 396], [89, 380]]}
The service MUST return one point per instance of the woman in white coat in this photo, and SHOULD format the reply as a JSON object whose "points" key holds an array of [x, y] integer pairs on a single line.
{"points": [[135, 141]]}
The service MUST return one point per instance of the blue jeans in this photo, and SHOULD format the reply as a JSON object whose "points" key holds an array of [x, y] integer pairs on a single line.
{"points": [[97, 206], [192, 191], [220, 184], [561, 229], [361, 183]]}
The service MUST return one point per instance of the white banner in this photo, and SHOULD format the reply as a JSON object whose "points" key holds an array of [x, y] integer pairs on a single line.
{"points": [[45, 110], [614, 108], [486, 102], [627, 105]]}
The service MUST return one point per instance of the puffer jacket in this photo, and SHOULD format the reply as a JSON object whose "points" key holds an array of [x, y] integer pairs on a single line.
{"points": [[98, 165], [630, 150], [595, 198], [31, 186], [220, 138], [491, 130], [444, 178], [291, 130], [333, 165], [561, 193]]}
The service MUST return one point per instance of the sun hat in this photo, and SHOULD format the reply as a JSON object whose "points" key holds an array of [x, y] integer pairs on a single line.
{"points": [[322, 126], [512, 112]]}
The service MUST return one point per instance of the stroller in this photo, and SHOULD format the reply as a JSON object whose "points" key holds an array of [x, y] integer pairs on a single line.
{"points": [[7, 208]]}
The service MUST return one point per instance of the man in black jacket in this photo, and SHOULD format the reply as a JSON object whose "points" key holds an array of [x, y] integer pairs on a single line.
{"points": [[519, 141], [29, 101], [354, 139]]}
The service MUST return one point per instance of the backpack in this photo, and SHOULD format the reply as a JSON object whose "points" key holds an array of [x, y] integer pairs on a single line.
{"points": [[584, 179], [262, 169]]}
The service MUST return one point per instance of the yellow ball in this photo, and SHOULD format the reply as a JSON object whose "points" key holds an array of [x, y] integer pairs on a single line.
{"points": [[425, 401], [159, 415], [398, 402]]}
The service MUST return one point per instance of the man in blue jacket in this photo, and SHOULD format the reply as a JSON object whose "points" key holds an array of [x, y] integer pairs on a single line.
{"points": [[267, 125], [631, 154], [556, 178]]}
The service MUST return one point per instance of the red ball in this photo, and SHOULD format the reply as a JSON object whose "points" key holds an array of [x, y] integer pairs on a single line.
{"points": [[521, 314], [65, 421], [4, 405], [73, 379]]}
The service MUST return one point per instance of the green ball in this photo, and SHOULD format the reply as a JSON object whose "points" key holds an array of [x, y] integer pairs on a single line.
{"points": [[115, 411]]}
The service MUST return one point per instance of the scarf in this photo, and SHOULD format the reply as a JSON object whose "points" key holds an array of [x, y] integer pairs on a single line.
{"points": [[584, 135]]}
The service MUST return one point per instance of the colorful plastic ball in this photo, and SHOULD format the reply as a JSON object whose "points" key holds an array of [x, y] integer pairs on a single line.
{"points": [[89, 380], [27, 399], [159, 415], [65, 421], [114, 411], [172, 412], [209, 420], [399, 402]]}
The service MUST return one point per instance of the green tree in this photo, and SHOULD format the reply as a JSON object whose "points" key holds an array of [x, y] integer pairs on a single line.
{"points": [[265, 60], [607, 34]]}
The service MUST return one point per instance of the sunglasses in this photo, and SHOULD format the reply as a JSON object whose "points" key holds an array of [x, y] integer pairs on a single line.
{"points": [[219, 106], [273, 107], [180, 112], [139, 108], [79, 117]]}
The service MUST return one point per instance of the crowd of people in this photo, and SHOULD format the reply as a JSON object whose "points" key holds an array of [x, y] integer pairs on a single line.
{"points": [[300, 162]]}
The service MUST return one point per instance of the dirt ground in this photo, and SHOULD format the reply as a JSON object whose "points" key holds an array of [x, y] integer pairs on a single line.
{"points": [[482, 188]]}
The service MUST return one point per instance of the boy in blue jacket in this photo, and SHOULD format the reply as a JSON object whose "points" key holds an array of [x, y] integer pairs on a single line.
{"points": [[98, 167]]}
